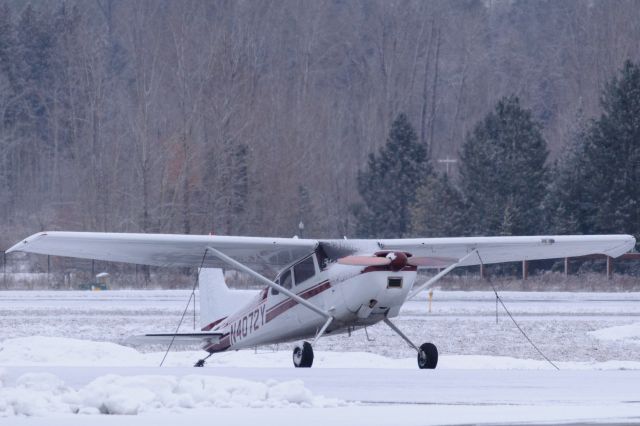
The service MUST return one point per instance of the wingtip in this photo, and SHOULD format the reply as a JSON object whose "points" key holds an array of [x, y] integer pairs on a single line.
{"points": [[628, 245], [17, 246], [20, 246]]}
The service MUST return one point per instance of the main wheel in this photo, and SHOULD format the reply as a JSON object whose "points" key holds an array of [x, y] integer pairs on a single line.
{"points": [[428, 356], [303, 355]]}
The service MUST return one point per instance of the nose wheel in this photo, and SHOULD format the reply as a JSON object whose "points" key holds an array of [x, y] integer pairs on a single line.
{"points": [[428, 356], [303, 355]]}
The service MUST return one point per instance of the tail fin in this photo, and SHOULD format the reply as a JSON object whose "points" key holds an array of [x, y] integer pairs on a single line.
{"points": [[217, 301]]}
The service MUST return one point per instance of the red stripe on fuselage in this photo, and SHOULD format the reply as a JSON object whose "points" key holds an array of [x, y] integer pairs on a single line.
{"points": [[277, 305], [290, 303], [213, 324]]}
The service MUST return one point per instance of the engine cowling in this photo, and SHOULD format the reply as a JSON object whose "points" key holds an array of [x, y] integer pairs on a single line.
{"points": [[398, 260]]}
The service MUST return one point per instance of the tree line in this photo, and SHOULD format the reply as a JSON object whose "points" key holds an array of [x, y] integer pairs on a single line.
{"points": [[244, 117], [506, 185]]}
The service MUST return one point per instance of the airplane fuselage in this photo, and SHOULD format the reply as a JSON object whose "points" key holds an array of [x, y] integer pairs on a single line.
{"points": [[355, 297]]}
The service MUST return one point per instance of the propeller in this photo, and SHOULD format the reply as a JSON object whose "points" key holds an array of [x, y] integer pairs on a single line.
{"points": [[364, 261], [397, 260], [431, 262]]}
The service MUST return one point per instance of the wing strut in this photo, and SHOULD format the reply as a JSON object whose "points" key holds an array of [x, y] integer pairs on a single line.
{"points": [[268, 282], [322, 330], [400, 333], [441, 274]]}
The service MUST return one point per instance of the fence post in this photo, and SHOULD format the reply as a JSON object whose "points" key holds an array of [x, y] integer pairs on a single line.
{"points": [[609, 267], [525, 269], [566, 266]]}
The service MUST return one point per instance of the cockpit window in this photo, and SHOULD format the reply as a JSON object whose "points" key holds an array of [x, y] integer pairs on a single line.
{"points": [[323, 259], [304, 270]]}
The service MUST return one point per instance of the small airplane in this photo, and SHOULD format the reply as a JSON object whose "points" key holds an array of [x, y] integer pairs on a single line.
{"points": [[320, 286]]}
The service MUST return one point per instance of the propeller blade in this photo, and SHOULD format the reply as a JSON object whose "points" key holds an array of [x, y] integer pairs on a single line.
{"points": [[431, 262], [364, 261]]}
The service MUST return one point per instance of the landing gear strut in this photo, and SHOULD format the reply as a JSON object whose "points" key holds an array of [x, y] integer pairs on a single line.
{"points": [[303, 355], [427, 352]]}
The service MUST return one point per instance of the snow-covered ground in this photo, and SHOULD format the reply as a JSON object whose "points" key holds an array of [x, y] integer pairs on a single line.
{"points": [[62, 353]]}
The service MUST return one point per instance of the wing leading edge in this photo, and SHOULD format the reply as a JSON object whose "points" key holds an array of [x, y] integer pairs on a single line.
{"points": [[491, 249], [166, 249], [260, 252]]}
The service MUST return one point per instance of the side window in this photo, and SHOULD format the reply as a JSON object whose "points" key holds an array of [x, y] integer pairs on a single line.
{"points": [[304, 270], [285, 279]]}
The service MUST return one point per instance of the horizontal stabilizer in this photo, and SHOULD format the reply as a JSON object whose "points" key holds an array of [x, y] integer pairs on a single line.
{"points": [[178, 339]]}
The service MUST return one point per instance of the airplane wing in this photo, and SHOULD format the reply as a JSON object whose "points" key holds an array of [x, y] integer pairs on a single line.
{"points": [[167, 249], [490, 249], [258, 252]]}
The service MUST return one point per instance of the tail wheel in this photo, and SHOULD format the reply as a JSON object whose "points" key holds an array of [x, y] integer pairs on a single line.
{"points": [[428, 356], [303, 355]]}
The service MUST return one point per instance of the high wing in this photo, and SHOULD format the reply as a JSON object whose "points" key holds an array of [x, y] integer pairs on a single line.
{"points": [[261, 252], [489, 249], [167, 249]]}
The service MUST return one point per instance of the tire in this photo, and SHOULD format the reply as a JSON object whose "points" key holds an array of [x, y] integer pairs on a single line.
{"points": [[303, 355], [428, 356]]}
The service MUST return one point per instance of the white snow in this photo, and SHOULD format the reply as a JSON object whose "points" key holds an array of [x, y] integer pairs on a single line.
{"points": [[40, 350], [60, 351], [43, 394], [628, 333], [486, 371]]}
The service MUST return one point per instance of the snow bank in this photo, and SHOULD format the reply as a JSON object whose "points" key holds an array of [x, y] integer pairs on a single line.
{"points": [[44, 394], [39, 350], [628, 333]]}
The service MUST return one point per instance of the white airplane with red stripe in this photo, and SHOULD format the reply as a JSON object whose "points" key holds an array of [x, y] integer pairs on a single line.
{"points": [[312, 288]]}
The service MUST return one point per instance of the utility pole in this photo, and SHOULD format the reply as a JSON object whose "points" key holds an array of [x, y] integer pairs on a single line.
{"points": [[448, 162]]}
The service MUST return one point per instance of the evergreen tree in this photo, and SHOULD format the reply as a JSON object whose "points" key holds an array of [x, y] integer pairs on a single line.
{"points": [[503, 172], [569, 207], [612, 156], [389, 182], [438, 210]]}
